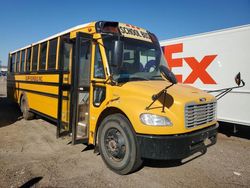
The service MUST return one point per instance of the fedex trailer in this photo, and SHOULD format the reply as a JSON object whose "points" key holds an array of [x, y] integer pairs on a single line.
{"points": [[210, 61]]}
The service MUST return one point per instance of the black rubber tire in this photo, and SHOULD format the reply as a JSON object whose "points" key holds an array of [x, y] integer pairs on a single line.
{"points": [[27, 115], [131, 160]]}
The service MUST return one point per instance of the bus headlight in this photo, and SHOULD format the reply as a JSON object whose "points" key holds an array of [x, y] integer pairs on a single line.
{"points": [[155, 120]]}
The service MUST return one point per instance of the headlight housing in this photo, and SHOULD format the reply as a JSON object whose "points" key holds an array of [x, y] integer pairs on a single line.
{"points": [[155, 120]]}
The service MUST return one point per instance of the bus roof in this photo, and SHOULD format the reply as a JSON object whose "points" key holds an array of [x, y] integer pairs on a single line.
{"points": [[126, 30], [53, 36]]}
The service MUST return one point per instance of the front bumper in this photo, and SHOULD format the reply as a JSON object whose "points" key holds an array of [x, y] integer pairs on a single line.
{"points": [[176, 146]]}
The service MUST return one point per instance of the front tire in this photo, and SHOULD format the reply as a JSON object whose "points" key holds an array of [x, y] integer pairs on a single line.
{"points": [[118, 146]]}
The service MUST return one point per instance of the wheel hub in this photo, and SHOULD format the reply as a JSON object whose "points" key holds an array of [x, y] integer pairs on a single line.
{"points": [[115, 144]]}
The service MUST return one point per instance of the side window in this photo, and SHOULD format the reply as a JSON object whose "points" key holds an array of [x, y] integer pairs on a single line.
{"points": [[98, 66], [52, 54], [84, 67], [28, 58], [66, 55], [43, 51], [22, 61], [99, 95], [13, 59], [34, 58], [17, 61]]}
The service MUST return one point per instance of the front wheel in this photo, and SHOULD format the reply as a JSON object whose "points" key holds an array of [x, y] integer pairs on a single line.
{"points": [[117, 144]]}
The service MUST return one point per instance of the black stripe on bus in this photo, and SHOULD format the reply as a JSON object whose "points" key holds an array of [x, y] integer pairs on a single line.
{"points": [[43, 93]]}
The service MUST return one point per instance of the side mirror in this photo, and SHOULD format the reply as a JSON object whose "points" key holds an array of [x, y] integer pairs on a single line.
{"points": [[118, 53], [169, 75], [237, 79]]}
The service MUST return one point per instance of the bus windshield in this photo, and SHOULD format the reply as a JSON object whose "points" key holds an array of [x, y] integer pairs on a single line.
{"points": [[140, 61]]}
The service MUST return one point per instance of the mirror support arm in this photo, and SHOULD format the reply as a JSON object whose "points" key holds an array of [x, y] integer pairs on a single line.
{"points": [[225, 91], [157, 96]]}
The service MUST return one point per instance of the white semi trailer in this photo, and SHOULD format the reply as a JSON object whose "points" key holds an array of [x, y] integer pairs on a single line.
{"points": [[210, 61]]}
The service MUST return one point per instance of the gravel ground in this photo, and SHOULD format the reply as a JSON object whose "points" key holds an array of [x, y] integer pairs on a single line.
{"points": [[30, 155]]}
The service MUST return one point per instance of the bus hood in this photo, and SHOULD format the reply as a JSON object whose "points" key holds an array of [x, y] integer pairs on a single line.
{"points": [[178, 93], [134, 98]]}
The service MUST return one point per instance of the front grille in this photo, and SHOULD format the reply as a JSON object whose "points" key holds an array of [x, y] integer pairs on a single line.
{"points": [[199, 114]]}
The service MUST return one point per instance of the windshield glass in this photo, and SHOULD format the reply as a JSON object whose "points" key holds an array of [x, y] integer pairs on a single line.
{"points": [[140, 61]]}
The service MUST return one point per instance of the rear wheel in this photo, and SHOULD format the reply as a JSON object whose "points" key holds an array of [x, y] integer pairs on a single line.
{"points": [[118, 146], [27, 115]]}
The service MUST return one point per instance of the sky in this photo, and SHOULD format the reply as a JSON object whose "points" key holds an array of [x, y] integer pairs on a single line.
{"points": [[24, 22]]}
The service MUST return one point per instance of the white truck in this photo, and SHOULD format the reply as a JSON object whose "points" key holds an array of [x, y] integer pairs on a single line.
{"points": [[210, 61]]}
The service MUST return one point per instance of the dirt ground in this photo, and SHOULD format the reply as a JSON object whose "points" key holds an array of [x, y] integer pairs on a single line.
{"points": [[30, 155]]}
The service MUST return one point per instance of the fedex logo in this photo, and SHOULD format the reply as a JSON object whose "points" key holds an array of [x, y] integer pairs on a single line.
{"points": [[198, 67]]}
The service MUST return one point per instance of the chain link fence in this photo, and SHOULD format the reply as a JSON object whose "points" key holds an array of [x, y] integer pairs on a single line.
{"points": [[3, 86]]}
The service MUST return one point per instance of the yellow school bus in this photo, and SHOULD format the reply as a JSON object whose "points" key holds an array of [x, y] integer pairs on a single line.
{"points": [[107, 84]]}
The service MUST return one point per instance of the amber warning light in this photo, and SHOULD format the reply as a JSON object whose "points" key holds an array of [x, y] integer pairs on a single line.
{"points": [[110, 27]]}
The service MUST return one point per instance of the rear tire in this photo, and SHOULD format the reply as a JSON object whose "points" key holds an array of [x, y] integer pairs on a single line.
{"points": [[27, 115], [118, 146]]}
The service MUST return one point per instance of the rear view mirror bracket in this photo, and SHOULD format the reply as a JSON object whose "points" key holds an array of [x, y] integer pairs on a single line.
{"points": [[240, 83]]}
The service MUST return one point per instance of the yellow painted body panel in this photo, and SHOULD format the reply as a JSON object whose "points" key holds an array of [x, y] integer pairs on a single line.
{"points": [[26, 84], [43, 104], [65, 110]]}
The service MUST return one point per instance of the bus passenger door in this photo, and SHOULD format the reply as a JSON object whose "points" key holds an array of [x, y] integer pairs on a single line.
{"points": [[81, 88], [64, 65]]}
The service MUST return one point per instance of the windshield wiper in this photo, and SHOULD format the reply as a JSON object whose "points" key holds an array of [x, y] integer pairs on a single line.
{"points": [[127, 79], [137, 78], [157, 76]]}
